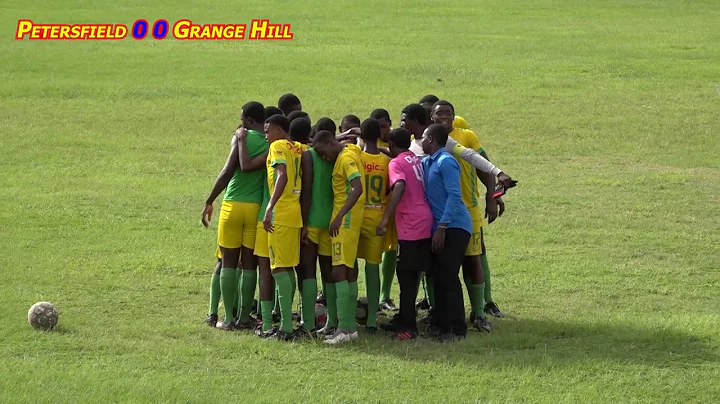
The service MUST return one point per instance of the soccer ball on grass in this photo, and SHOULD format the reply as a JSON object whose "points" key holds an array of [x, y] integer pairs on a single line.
{"points": [[43, 316]]}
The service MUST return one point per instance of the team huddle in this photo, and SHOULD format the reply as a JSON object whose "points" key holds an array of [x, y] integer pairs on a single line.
{"points": [[407, 201]]}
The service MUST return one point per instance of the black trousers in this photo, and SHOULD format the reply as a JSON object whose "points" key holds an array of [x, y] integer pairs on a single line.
{"points": [[449, 311], [414, 257]]}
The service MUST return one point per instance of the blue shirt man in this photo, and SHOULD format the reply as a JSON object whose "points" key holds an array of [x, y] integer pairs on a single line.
{"points": [[451, 233], [442, 188]]}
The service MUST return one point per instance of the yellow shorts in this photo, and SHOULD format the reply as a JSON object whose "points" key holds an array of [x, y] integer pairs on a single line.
{"points": [[370, 245], [284, 247], [344, 247], [237, 223], [321, 237], [475, 245], [390, 241], [261, 241]]}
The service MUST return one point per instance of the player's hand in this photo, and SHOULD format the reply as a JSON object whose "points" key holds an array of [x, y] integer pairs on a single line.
{"points": [[267, 221], [491, 210], [335, 226], [506, 180], [241, 134], [438, 240], [207, 215], [381, 228], [351, 131], [303, 235], [501, 206]]}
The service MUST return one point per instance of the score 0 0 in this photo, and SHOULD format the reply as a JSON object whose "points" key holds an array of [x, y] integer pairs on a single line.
{"points": [[141, 27]]}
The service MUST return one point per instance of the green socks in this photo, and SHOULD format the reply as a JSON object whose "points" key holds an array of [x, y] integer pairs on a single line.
{"points": [[479, 305], [430, 290], [248, 280], [308, 295], [372, 284], [238, 277], [346, 319], [352, 305], [228, 287], [214, 293], [293, 281], [266, 308], [486, 275], [331, 298], [477, 297], [389, 262], [283, 286]]}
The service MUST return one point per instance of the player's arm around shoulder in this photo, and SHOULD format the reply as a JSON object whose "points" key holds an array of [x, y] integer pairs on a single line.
{"points": [[246, 162], [306, 181]]}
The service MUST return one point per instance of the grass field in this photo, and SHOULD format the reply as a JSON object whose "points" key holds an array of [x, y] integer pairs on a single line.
{"points": [[607, 260]]}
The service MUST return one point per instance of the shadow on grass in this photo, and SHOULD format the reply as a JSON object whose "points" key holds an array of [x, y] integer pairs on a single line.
{"points": [[527, 342]]}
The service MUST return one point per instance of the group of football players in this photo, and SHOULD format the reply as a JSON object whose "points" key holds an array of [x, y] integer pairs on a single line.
{"points": [[409, 202]]}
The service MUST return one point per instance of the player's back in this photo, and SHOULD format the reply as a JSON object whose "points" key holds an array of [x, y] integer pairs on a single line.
{"points": [[375, 170], [347, 167], [413, 215], [322, 192], [469, 182], [248, 186], [289, 153]]}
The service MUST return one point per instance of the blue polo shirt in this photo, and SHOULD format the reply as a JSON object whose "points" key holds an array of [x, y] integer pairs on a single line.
{"points": [[442, 188]]}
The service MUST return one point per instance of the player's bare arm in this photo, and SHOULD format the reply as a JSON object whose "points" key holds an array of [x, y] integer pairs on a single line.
{"points": [[356, 192], [280, 183], [246, 162], [491, 205], [222, 181], [306, 192], [397, 192], [503, 178], [349, 136]]}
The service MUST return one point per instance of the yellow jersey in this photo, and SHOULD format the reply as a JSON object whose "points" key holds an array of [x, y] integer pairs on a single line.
{"points": [[287, 208], [375, 170], [469, 182], [460, 123], [347, 168], [380, 143]]}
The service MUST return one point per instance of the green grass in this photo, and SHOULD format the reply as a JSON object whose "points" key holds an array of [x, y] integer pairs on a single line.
{"points": [[607, 259]]}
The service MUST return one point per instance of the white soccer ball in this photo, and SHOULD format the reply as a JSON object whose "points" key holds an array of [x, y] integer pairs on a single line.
{"points": [[43, 316]]}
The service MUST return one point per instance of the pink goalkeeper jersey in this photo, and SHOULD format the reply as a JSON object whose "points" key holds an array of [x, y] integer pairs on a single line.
{"points": [[413, 217]]}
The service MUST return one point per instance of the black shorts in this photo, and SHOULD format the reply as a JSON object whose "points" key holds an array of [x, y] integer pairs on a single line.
{"points": [[414, 255]]}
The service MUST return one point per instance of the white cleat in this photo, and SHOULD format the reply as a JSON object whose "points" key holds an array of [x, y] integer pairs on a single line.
{"points": [[341, 337]]}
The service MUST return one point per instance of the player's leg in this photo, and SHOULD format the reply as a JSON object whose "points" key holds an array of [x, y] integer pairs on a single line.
{"points": [[409, 267], [473, 276], [267, 286], [373, 250], [308, 291], [326, 271], [490, 306], [344, 252], [387, 268], [248, 280], [450, 317], [352, 277], [248, 273], [230, 240], [228, 284], [212, 317], [430, 290], [267, 293], [284, 249]]}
